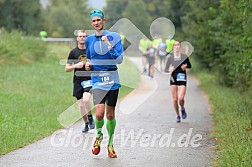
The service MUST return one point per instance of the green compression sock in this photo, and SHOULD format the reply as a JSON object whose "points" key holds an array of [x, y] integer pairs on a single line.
{"points": [[111, 124], [99, 124]]}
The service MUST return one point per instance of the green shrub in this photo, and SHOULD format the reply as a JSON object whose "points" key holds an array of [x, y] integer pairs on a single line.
{"points": [[15, 48]]}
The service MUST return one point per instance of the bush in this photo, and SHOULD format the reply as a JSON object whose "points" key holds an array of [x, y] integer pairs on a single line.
{"points": [[15, 48]]}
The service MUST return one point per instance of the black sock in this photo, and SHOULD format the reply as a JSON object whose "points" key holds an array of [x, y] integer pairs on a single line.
{"points": [[90, 118]]}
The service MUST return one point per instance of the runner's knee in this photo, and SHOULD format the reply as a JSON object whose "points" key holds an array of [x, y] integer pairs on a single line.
{"points": [[86, 100], [81, 103], [181, 98], [175, 100], [99, 113], [110, 115], [110, 112], [99, 116]]}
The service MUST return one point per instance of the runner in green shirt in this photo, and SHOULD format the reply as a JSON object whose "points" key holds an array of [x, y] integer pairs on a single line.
{"points": [[169, 43], [143, 45]]}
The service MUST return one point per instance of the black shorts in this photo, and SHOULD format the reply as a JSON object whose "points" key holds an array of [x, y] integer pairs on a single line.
{"points": [[78, 90], [102, 96], [151, 60], [178, 83]]}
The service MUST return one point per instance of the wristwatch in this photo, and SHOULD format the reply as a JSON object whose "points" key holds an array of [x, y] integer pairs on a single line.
{"points": [[110, 47]]}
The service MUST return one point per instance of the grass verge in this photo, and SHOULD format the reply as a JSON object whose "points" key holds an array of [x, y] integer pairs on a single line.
{"points": [[233, 121]]}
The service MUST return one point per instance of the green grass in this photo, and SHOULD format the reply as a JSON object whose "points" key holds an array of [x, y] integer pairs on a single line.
{"points": [[233, 121], [34, 95], [129, 77], [15, 48]]}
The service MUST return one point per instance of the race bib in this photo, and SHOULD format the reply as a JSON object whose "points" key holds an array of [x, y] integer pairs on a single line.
{"points": [[86, 84], [105, 78], [181, 77]]}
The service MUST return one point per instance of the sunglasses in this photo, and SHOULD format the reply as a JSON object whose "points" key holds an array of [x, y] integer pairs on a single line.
{"points": [[96, 11]]}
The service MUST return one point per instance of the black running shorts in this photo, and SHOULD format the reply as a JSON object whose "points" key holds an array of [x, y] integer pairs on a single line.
{"points": [[173, 81], [78, 89], [102, 96]]}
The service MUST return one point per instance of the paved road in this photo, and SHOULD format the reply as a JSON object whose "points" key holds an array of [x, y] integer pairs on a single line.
{"points": [[146, 134]]}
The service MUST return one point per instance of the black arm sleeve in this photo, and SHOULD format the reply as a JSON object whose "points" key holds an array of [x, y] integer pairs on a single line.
{"points": [[188, 63]]}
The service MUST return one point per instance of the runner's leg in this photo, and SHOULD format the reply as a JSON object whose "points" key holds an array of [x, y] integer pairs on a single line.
{"points": [[182, 91], [174, 91], [82, 109]]}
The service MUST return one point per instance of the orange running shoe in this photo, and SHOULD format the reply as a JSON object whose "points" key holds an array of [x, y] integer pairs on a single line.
{"points": [[96, 147], [111, 152]]}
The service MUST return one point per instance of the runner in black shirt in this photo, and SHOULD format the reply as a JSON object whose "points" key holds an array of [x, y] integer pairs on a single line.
{"points": [[177, 64], [81, 81]]}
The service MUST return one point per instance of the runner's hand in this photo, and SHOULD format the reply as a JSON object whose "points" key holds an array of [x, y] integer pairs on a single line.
{"points": [[105, 39], [183, 67], [88, 65], [79, 65], [171, 68]]}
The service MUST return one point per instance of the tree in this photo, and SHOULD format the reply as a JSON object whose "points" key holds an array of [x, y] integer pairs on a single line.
{"points": [[63, 17], [137, 14], [158, 8], [221, 32], [234, 35], [196, 29], [22, 15], [114, 11]]}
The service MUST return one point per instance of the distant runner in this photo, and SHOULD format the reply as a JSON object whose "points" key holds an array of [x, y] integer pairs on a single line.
{"points": [[178, 78]]}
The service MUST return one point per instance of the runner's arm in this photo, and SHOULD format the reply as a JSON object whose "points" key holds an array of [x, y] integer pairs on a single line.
{"points": [[188, 63], [117, 51], [70, 62], [88, 64], [168, 63]]}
